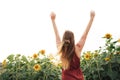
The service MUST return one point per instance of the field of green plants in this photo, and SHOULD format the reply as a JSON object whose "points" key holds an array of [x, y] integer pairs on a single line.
{"points": [[101, 64]]}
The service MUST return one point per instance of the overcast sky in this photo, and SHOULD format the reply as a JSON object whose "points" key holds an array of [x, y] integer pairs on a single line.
{"points": [[25, 25]]}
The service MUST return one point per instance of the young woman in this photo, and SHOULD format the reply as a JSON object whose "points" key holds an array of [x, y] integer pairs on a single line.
{"points": [[69, 51]]}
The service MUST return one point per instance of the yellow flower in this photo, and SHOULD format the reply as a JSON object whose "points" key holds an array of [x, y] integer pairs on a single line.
{"points": [[87, 56], [107, 59], [117, 52], [4, 63], [42, 52], [118, 40], [108, 36], [50, 56], [35, 55], [37, 67]]}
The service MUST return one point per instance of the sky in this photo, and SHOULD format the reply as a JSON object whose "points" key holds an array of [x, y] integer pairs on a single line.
{"points": [[25, 25]]}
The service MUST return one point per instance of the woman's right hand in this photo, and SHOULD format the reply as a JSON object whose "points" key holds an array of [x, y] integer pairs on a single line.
{"points": [[92, 14], [53, 15]]}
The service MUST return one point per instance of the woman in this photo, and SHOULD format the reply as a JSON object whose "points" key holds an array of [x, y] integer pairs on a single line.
{"points": [[69, 51]]}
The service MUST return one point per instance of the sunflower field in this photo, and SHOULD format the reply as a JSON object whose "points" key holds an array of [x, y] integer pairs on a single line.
{"points": [[37, 67], [104, 63], [101, 64]]}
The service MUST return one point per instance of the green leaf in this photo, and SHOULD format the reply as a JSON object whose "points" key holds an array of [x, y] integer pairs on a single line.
{"points": [[112, 74], [11, 57], [24, 59]]}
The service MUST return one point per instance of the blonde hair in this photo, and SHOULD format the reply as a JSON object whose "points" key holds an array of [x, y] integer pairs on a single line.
{"points": [[67, 49]]}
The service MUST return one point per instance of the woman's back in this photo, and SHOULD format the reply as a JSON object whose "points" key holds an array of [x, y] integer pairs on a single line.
{"points": [[74, 72]]}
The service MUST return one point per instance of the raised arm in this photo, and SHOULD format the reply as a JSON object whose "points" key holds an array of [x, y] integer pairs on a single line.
{"points": [[58, 40], [82, 40]]}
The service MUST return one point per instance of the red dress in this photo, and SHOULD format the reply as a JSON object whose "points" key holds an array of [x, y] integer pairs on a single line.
{"points": [[74, 72]]}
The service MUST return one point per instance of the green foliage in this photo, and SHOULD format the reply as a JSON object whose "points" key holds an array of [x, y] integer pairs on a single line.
{"points": [[101, 64], [20, 67], [104, 63]]}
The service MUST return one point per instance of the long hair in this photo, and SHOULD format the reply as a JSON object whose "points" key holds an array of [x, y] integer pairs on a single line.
{"points": [[67, 49]]}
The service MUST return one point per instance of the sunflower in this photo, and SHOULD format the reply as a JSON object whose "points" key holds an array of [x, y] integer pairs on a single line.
{"points": [[107, 59], [118, 52], [118, 40], [108, 36], [42, 52], [87, 56], [50, 56], [4, 63], [35, 55], [37, 67]]}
